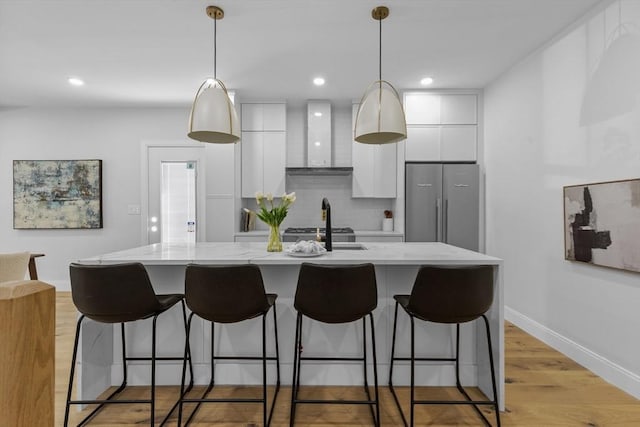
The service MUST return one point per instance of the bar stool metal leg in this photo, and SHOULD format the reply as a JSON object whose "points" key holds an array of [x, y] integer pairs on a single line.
{"points": [[296, 366], [393, 359], [493, 371], [375, 372], [73, 370]]}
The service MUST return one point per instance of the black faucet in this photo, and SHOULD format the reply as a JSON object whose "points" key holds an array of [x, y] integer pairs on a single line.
{"points": [[326, 216]]}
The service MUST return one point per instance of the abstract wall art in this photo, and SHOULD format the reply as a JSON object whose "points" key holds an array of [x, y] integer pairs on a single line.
{"points": [[602, 224], [57, 194]]}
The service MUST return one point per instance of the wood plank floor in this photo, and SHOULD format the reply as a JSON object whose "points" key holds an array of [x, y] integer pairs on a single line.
{"points": [[544, 388]]}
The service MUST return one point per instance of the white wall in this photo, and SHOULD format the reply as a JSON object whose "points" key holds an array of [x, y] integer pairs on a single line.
{"points": [[112, 135], [534, 145]]}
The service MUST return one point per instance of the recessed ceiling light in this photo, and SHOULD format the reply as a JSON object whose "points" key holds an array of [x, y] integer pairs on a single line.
{"points": [[317, 114], [426, 81], [317, 144], [318, 81], [74, 81]]}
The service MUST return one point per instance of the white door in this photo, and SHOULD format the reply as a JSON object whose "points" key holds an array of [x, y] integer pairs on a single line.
{"points": [[174, 212]]}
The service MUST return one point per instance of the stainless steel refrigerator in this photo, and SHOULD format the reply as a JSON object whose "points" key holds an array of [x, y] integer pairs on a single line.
{"points": [[442, 204]]}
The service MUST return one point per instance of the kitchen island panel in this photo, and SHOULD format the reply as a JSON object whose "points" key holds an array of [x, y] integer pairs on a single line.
{"points": [[396, 268]]}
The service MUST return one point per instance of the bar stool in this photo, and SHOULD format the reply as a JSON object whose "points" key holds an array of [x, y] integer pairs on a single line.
{"points": [[447, 295], [336, 294], [119, 293], [230, 294]]}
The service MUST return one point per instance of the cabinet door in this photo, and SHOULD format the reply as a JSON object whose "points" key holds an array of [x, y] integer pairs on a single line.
{"points": [[458, 110], [422, 109], [274, 117], [362, 184], [384, 170], [252, 164], [458, 143], [252, 117], [274, 162], [422, 144]]}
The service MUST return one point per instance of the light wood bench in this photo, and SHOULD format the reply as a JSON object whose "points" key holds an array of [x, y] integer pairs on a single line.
{"points": [[27, 353]]}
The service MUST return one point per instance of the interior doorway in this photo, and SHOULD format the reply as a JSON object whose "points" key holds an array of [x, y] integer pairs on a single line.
{"points": [[173, 189]]}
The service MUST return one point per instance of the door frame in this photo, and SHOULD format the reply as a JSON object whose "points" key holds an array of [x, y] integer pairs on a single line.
{"points": [[201, 202]]}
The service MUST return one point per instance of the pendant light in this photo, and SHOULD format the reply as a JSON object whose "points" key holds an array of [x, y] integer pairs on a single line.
{"points": [[213, 117], [380, 118]]}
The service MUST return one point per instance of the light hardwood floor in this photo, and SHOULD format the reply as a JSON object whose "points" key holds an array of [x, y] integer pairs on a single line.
{"points": [[543, 388]]}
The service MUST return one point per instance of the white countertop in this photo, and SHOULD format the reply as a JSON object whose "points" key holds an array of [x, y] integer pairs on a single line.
{"points": [[356, 232], [255, 253]]}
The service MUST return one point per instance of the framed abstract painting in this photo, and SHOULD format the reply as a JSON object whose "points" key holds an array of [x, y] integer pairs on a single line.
{"points": [[57, 194], [602, 224]]}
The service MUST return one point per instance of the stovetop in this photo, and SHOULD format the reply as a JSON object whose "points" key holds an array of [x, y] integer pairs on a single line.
{"points": [[312, 230]]}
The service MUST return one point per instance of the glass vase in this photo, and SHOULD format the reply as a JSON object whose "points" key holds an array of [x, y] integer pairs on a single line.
{"points": [[274, 244]]}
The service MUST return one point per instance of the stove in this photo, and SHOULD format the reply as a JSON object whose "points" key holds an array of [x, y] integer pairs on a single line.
{"points": [[338, 234]]}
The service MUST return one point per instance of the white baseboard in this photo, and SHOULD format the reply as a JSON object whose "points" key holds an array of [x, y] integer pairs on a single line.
{"points": [[604, 368]]}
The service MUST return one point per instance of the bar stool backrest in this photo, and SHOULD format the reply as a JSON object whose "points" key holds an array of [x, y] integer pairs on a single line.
{"points": [[225, 294], [113, 293], [336, 293], [451, 294]]}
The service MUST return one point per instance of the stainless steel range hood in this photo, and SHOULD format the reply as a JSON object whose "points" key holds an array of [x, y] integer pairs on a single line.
{"points": [[325, 171], [319, 143]]}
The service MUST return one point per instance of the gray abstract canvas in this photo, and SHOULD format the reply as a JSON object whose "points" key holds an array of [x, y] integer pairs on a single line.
{"points": [[57, 194]]}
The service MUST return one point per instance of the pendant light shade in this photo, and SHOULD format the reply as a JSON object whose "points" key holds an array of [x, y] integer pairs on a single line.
{"points": [[380, 118], [213, 116]]}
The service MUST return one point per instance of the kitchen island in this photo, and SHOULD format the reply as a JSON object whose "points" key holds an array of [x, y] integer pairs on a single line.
{"points": [[396, 266]]}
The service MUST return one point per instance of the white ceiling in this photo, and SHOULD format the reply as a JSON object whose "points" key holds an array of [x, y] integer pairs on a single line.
{"points": [[158, 52]]}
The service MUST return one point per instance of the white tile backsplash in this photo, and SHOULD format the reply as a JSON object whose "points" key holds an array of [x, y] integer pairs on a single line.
{"points": [[359, 214]]}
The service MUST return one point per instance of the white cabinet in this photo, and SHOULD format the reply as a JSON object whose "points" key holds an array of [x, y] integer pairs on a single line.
{"points": [[263, 163], [264, 117], [458, 109], [422, 109], [441, 127], [263, 149], [441, 143], [374, 168]]}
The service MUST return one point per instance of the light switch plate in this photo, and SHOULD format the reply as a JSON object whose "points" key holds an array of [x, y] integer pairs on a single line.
{"points": [[133, 209]]}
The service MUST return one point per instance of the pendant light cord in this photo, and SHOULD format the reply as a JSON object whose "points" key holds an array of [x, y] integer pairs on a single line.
{"points": [[215, 50], [380, 51]]}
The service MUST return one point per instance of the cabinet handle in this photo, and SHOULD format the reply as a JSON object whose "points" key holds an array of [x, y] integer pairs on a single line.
{"points": [[424, 185], [445, 222], [461, 185], [438, 207]]}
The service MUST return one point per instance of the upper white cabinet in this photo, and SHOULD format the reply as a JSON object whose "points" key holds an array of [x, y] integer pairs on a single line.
{"points": [[264, 117], [458, 109], [441, 127], [374, 168], [263, 149], [422, 109]]}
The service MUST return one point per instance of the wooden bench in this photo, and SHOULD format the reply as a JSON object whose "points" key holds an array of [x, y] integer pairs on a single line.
{"points": [[27, 353]]}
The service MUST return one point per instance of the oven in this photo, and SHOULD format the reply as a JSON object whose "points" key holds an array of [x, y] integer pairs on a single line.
{"points": [[338, 234]]}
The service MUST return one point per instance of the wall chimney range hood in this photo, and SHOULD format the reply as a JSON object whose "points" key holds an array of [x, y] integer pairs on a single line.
{"points": [[319, 143]]}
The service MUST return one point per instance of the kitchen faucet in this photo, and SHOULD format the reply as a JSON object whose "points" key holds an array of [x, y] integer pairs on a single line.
{"points": [[326, 216]]}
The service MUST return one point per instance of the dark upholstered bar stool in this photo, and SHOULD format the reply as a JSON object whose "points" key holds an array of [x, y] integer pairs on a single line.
{"points": [[447, 295], [230, 294], [119, 293], [336, 294]]}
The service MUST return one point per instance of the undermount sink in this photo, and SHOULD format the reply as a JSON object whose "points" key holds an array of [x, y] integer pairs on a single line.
{"points": [[348, 245]]}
